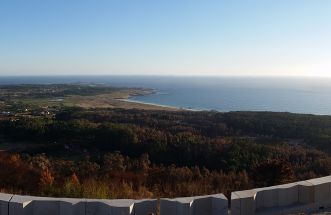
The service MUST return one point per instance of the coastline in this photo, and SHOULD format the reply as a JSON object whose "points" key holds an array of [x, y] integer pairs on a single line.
{"points": [[129, 100], [118, 99]]}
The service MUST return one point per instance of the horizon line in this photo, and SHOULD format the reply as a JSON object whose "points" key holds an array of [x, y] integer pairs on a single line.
{"points": [[168, 75]]}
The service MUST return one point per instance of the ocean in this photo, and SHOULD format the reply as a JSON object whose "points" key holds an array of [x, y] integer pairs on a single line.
{"points": [[280, 94]]}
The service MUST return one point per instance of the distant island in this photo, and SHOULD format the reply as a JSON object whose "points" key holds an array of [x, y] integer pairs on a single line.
{"points": [[82, 140]]}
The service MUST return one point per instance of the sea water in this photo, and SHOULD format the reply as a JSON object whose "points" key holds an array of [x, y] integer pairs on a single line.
{"points": [[281, 94]]}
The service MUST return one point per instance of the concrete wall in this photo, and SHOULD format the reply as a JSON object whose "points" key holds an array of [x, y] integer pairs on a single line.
{"points": [[31, 205], [197, 205], [300, 197]]}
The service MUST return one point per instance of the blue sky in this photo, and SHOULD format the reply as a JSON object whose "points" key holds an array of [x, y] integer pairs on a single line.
{"points": [[172, 37]]}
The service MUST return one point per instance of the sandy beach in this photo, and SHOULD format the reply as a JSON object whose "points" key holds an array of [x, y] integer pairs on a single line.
{"points": [[118, 99]]}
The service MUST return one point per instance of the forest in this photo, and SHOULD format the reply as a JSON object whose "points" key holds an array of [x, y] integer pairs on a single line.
{"points": [[118, 153]]}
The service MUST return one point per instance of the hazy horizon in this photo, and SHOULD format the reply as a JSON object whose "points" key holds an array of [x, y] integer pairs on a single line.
{"points": [[187, 38], [170, 75]]}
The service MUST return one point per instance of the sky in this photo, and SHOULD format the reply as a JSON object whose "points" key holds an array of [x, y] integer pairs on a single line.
{"points": [[170, 37]]}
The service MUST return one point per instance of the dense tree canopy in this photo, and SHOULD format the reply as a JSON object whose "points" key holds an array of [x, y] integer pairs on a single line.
{"points": [[116, 153]]}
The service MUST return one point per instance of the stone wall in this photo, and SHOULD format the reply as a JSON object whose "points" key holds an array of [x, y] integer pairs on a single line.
{"points": [[300, 197]]}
